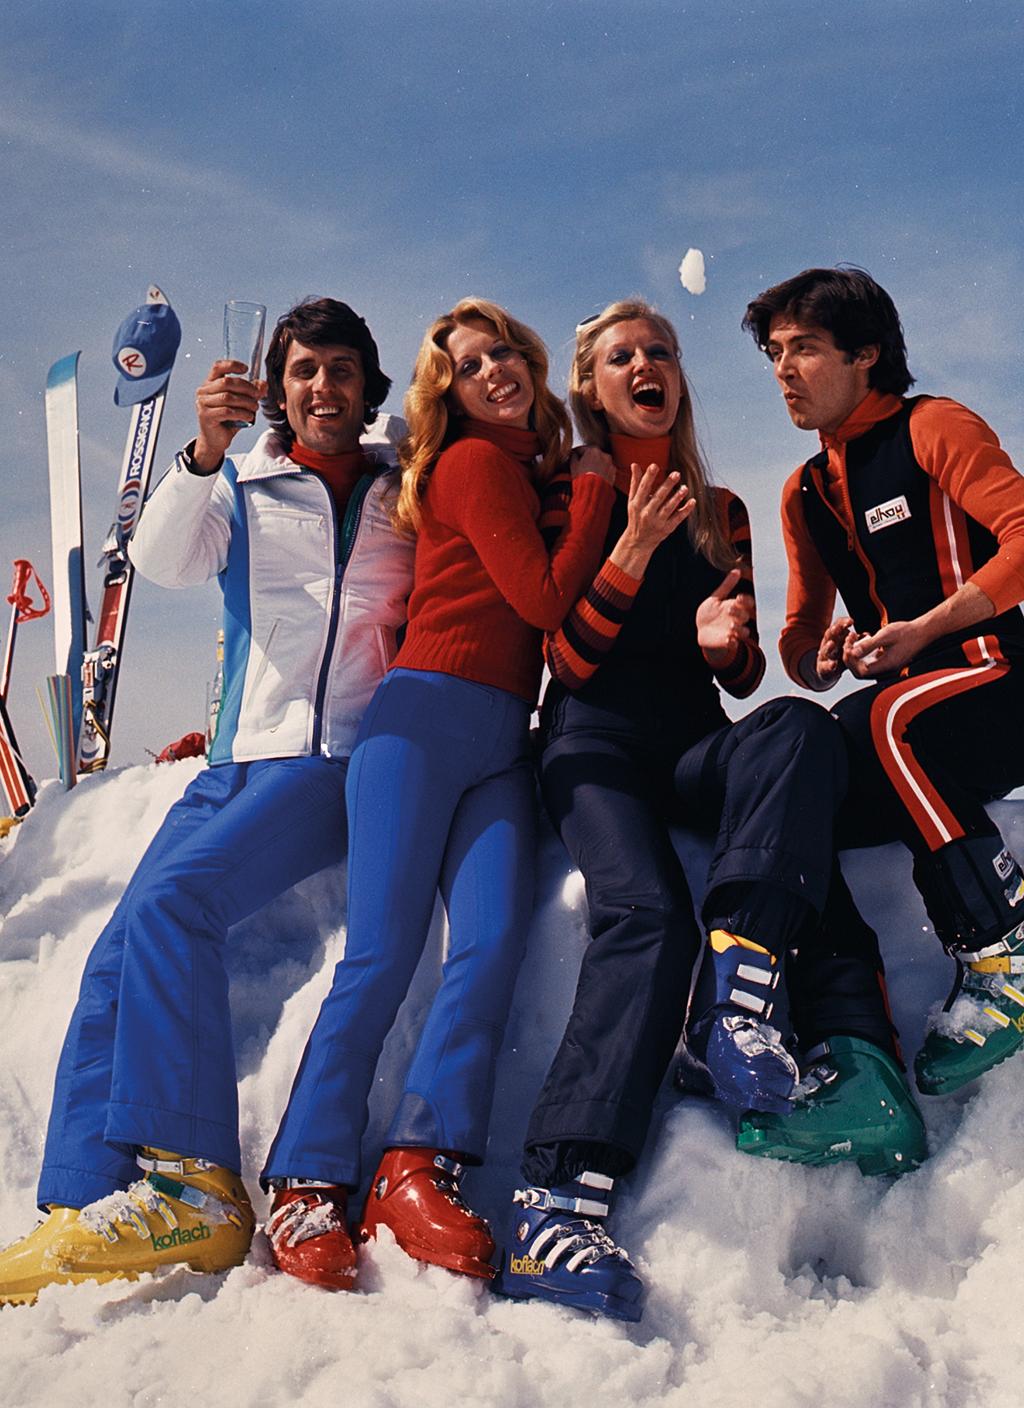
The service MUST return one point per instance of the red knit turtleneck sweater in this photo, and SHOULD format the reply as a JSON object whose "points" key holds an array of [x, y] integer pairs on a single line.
{"points": [[485, 586], [627, 450], [341, 472]]}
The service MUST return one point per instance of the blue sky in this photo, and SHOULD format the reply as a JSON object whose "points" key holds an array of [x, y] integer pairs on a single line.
{"points": [[550, 155]]}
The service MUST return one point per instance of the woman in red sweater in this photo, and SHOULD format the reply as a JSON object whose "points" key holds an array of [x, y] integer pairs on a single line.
{"points": [[440, 794]]}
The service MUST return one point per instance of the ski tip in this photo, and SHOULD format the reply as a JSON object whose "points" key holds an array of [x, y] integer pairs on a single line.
{"points": [[62, 371], [157, 295]]}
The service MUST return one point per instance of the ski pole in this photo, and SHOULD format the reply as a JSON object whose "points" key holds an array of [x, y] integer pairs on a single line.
{"points": [[22, 609]]}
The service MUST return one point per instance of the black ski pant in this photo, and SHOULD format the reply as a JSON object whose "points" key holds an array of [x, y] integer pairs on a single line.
{"points": [[835, 978], [767, 788], [926, 752]]}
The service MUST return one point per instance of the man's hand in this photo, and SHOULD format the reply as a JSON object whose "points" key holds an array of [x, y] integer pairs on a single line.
{"points": [[723, 621], [821, 668], [887, 651], [224, 397], [830, 662]]}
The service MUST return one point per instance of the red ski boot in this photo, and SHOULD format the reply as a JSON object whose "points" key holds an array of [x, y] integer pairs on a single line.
{"points": [[309, 1236], [415, 1192]]}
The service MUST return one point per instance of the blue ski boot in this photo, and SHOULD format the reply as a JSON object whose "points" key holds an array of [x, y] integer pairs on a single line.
{"points": [[745, 1057], [557, 1251]]}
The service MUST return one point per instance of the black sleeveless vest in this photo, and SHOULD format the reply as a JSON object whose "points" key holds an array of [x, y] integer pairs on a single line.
{"points": [[911, 545]]}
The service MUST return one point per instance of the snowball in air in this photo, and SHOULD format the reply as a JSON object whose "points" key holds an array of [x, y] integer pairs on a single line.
{"points": [[691, 272]]}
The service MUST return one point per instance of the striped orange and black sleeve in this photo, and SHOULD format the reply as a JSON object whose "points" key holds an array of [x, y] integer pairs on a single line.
{"points": [[576, 649], [574, 652], [554, 509]]}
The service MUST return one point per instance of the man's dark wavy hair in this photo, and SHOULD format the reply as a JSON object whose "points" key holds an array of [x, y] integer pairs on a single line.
{"points": [[847, 303], [321, 322]]}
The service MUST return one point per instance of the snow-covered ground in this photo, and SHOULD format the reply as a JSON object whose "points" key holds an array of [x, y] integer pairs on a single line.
{"points": [[770, 1286]]}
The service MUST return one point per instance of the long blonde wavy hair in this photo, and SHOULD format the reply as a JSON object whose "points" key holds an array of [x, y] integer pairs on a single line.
{"points": [[704, 525], [433, 421]]}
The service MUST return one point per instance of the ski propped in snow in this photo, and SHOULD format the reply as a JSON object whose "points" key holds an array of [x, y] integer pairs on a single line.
{"points": [[144, 350], [69, 609]]}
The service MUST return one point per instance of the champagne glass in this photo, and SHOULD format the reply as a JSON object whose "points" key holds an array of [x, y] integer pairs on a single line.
{"points": [[243, 339]]}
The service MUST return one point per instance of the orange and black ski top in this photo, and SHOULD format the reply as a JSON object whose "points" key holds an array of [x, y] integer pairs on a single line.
{"points": [[909, 500]]}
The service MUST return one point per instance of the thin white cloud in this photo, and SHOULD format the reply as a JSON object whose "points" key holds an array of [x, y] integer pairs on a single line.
{"points": [[729, 197], [65, 142], [70, 144]]}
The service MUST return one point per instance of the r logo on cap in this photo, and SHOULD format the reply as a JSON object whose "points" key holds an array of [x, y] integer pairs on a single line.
{"points": [[144, 348], [131, 361]]}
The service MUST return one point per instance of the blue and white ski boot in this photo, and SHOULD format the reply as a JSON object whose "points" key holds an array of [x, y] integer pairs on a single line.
{"points": [[732, 1036], [557, 1251]]}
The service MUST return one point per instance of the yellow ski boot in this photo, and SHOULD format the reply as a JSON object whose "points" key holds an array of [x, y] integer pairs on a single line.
{"points": [[184, 1210]]}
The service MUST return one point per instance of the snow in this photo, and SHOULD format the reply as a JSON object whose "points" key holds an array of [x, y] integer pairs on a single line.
{"points": [[967, 1013], [691, 272], [770, 1286]]}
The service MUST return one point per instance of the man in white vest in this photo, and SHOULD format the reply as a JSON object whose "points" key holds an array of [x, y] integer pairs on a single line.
{"points": [[142, 1162]]}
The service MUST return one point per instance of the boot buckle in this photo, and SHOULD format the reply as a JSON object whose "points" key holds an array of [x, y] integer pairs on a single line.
{"points": [[449, 1166], [1008, 945], [762, 976], [181, 1167], [750, 1003], [815, 1079], [181, 1192], [1009, 963], [546, 1201]]}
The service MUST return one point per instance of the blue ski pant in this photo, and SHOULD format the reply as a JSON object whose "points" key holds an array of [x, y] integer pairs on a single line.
{"points": [[148, 1058], [440, 793]]}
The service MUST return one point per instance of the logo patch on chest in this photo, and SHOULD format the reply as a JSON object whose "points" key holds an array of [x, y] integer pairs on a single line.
{"points": [[885, 515]]}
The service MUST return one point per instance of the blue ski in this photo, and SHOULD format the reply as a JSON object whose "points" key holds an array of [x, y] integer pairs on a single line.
{"points": [[66, 535]]}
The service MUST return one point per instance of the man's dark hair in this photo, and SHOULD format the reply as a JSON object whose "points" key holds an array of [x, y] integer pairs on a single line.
{"points": [[847, 303], [321, 322]]}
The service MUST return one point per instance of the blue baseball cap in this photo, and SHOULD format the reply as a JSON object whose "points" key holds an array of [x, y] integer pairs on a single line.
{"points": [[144, 349]]}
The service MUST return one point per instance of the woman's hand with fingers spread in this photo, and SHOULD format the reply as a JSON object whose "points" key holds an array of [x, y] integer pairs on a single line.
{"points": [[656, 507]]}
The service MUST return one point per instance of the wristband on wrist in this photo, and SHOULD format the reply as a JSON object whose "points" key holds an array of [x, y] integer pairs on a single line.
{"points": [[186, 460]]}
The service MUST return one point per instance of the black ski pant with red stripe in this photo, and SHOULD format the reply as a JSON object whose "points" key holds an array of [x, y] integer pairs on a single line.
{"points": [[768, 787], [926, 752]]}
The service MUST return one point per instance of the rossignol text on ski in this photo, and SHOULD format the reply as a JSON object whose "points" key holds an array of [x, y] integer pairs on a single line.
{"points": [[145, 346]]}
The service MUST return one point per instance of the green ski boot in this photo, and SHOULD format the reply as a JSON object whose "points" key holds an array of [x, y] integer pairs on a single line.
{"points": [[852, 1105], [982, 1022]]}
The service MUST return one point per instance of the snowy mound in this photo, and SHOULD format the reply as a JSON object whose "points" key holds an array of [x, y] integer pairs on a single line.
{"points": [[770, 1286]]}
